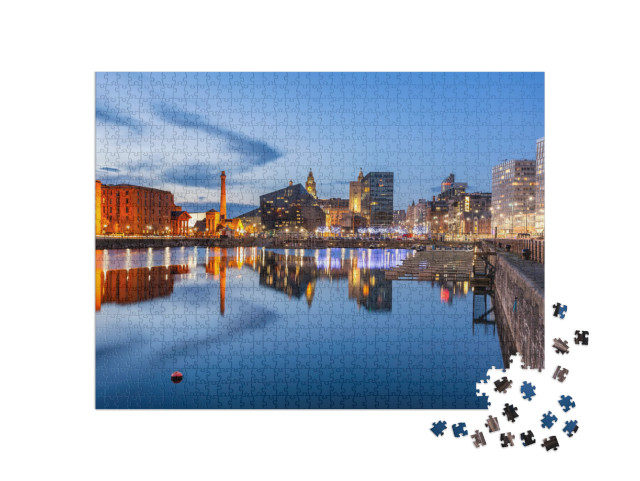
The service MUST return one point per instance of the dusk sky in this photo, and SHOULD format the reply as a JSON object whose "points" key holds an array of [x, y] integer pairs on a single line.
{"points": [[177, 132]]}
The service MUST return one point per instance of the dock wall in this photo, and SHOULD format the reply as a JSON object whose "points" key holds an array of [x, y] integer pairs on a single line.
{"points": [[526, 322]]}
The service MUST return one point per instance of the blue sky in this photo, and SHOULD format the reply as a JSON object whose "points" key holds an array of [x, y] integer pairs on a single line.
{"points": [[178, 131]]}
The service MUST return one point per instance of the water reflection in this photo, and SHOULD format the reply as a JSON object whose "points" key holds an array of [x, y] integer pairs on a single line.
{"points": [[292, 272], [283, 328]]}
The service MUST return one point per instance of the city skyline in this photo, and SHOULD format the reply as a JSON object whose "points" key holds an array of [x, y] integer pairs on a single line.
{"points": [[178, 131]]}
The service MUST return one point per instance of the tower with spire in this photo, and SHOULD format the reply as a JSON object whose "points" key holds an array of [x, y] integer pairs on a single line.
{"points": [[311, 185]]}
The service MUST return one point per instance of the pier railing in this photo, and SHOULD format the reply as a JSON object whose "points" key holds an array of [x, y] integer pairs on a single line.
{"points": [[536, 246]]}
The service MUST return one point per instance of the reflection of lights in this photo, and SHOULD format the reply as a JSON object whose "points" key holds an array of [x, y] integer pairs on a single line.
{"points": [[444, 294]]}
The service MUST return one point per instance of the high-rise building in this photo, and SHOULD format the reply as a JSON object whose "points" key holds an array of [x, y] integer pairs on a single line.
{"points": [[355, 194], [311, 185], [377, 198], [513, 193], [539, 213], [292, 206]]}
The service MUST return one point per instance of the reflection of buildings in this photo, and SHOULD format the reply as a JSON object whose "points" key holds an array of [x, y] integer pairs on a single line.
{"points": [[217, 265], [126, 286], [298, 276], [370, 289]]}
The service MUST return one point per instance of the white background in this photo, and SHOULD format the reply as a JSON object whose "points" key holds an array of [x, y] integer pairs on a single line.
{"points": [[50, 53]]}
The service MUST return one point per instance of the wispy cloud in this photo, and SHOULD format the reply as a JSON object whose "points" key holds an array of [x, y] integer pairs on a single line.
{"points": [[252, 152], [108, 169], [106, 116]]}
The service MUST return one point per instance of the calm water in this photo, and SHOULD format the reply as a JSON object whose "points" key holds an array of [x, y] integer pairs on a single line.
{"points": [[254, 328]]}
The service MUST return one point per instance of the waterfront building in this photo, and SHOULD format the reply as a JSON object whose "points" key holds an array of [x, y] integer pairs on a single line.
{"points": [[180, 222], [355, 194], [399, 217], [252, 221], [539, 210], [311, 185], [337, 212], [513, 189], [134, 210], [291, 207], [216, 222], [377, 198]]}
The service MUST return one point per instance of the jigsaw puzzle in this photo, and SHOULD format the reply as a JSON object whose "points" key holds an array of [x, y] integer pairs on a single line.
{"points": [[528, 390], [527, 438], [316, 240], [478, 439], [566, 402], [459, 430], [548, 420], [510, 412], [571, 427], [582, 337]]}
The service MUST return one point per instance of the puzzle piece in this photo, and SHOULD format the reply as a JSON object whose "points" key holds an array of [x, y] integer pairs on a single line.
{"points": [[438, 428], [551, 443], [510, 412], [502, 385], [561, 347], [548, 420], [559, 310], [528, 390], [459, 430], [527, 438], [582, 337], [506, 439], [478, 439], [560, 374], [571, 427], [492, 424], [567, 403]]}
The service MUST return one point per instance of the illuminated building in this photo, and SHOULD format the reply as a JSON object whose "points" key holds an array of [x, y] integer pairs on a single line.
{"points": [[337, 212], [180, 222], [132, 209], [217, 222], [311, 185], [99, 208], [399, 217], [355, 194], [292, 206], [377, 198], [513, 189], [539, 213]]}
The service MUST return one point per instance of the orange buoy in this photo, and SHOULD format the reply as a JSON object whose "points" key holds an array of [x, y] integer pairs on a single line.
{"points": [[176, 377]]}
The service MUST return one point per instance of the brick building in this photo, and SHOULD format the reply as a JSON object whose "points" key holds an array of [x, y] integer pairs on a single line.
{"points": [[133, 210]]}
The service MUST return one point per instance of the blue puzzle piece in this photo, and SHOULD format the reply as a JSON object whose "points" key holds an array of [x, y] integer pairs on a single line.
{"points": [[559, 310], [528, 390], [567, 403], [438, 428], [571, 427], [548, 420], [459, 430]]}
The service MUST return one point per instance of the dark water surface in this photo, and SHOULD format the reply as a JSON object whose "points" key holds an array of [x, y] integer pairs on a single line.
{"points": [[254, 328]]}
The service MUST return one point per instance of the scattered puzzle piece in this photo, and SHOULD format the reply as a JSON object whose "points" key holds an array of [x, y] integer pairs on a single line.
{"points": [[551, 443], [571, 427], [492, 424], [582, 337], [560, 374], [510, 412], [478, 439], [528, 390], [559, 310], [527, 438], [561, 347], [567, 403], [506, 439], [502, 385], [459, 430], [438, 428], [548, 420]]}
